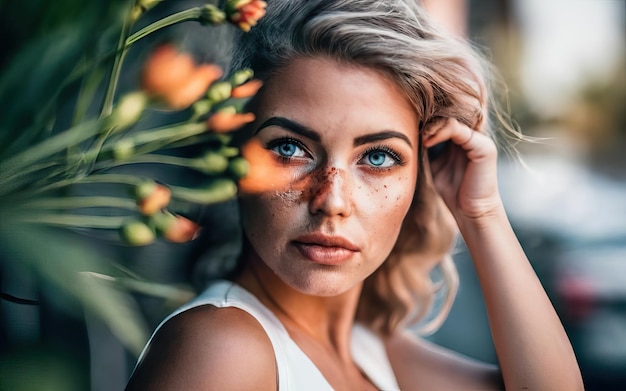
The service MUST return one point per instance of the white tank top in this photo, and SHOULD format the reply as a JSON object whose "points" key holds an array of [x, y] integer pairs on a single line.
{"points": [[295, 370]]}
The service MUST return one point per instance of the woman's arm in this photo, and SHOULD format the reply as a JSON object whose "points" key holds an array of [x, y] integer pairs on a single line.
{"points": [[421, 365], [533, 350]]}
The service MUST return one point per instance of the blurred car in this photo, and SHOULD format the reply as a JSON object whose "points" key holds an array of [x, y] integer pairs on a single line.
{"points": [[589, 293], [572, 224]]}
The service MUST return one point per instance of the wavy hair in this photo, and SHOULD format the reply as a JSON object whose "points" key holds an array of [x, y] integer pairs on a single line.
{"points": [[440, 75]]}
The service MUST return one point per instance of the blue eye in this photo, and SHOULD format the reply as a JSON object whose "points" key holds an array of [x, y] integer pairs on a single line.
{"points": [[287, 148], [381, 158]]}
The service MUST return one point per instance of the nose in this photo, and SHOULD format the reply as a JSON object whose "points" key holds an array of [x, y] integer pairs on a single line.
{"points": [[331, 194]]}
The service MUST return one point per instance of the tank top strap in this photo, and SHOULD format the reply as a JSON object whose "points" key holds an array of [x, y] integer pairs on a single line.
{"points": [[295, 370], [369, 353]]}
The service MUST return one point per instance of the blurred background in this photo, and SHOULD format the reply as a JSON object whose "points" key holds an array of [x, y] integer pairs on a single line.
{"points": [[564, 64]]}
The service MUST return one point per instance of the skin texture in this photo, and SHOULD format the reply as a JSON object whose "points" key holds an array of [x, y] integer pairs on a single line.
{"points": [[333, 188], [329, 187]]}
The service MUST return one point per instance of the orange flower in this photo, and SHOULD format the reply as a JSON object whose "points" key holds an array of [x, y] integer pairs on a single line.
{"points": [[195, 87], [158, 199], [166, 69], [264, 172], [181, 230], [247, 89], [245, 13], [226, 121], [175, 78]]}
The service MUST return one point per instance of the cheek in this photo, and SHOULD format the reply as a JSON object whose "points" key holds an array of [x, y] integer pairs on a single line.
{"points": [[266, 214], [392, 195], [388, 204]]}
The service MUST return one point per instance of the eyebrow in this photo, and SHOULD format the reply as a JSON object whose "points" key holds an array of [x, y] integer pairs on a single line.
{"points": [[291, 126], [384, 135], [313, 135]]}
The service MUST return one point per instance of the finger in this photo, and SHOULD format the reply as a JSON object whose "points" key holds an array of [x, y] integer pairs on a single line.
{"points": [[476, 144], [449, 129], [434, 126]]}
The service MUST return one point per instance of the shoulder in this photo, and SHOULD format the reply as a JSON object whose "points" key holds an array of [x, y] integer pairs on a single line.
{"points": [[208, 347], [420, 364]]}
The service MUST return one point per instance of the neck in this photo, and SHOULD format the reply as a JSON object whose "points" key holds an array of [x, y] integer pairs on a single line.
{"points": [[327, 320]]}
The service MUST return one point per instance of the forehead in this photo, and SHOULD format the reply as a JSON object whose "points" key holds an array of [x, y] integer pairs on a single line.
{"points": [[329, 95]]}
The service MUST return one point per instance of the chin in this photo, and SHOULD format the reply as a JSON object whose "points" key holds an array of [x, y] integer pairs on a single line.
{"points": [[325, 284]]}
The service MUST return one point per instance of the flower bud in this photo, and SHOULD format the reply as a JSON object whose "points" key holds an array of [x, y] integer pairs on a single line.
{"points": [[166, 69], [227, 119], [156, 200], [228, 152], [241, 76], [161, 221], [211, 163], [123, 149], [202, 107], [219, 91], [238, 167], [245, 13], [174, 77], [136, 233], [197, 84], [247, 90], [181, 230], [211, 15], [144, 189], [128, 110]]}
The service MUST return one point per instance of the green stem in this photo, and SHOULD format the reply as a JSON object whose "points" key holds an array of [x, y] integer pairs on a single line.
{"points": [[88, 89], [122, 49], [38, 174], [79, 202], [48, 147], [163, 291], [122, 179], [155, 139], [218, 190], [94, 151], [186, 15], [187, 141], [77, 221], [146, 159], [183, 16]]}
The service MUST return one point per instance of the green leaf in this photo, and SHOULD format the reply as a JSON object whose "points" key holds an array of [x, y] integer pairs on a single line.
{"points": [[62, 260], [31, 80]]}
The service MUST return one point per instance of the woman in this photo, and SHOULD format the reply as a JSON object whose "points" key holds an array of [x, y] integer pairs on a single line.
{"points": [[344, 216]]}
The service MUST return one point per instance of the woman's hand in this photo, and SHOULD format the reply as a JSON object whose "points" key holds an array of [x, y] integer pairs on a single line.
{"points": [[532, 347], [465, 173]]}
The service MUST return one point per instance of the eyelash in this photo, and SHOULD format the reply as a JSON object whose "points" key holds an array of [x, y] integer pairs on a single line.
{"points": [[285, 140], [386, 149]]}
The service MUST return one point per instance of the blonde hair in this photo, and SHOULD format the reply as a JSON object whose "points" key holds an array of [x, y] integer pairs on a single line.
{"points": [[440, 75]]}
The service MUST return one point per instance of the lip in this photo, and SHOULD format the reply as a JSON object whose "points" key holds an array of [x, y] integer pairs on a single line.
{"points": [[324, 249]]}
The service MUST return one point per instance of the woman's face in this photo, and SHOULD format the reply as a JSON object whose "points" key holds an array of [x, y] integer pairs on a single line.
{"points": [[333, 171]]}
